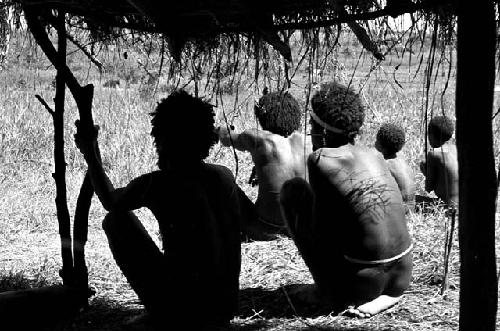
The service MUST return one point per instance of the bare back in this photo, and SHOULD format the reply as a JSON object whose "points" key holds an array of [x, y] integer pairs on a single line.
{"points": [[405, 178], [358, 199], [442, 173], [277, 159]]}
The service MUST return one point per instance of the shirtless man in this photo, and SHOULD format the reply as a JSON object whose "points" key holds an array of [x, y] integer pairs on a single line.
{"points": [[390, 140], [349, 222], [194, 281], [279, 153], [441, 168]]}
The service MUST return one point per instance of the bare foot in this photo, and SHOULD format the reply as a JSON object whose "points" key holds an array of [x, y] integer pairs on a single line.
{"points": [[373, 307]]}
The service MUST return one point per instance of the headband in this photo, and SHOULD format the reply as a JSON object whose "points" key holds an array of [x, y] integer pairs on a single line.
{"points": [[323, 124]]}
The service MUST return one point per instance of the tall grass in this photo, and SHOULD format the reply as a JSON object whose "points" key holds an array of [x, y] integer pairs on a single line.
{"points": [[29, 244]]}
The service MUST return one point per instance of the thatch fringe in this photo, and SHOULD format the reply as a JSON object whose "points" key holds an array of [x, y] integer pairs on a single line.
{"points": [[202, 21]]}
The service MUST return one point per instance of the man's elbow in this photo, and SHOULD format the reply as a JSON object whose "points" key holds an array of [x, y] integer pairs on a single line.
{"points": [[109, 203]]}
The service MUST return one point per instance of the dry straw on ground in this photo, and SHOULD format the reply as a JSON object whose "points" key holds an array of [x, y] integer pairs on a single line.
{"points": [[29, 247]]}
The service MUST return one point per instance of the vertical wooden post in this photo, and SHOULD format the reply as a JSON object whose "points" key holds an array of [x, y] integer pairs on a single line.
{"points": [[80, 226], [474, 102], [59, 174]]}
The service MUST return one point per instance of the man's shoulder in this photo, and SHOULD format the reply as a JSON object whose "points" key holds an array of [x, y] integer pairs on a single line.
{"points": [[218, 170], [399, 167], [149, 176], [330, 157], [399, 162], [256, 134], [347, 153], [297, 141], [442, 153]]}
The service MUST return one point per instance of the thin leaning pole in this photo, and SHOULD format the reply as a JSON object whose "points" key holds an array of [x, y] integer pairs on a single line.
{"points": [[83, 97]]}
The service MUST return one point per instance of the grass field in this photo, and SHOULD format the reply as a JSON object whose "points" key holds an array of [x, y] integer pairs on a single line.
{"points": [[29, 242]]}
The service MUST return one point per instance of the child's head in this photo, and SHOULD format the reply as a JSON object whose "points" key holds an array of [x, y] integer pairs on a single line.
{"points": [[440, 130], [338, 112], [182, 129], [390, 139], [279, 113]]}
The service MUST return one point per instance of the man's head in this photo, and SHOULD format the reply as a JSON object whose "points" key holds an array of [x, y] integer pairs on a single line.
{"points": [[390, 139], [183, 130], [440, 130], [337, 115], [279, 113]]}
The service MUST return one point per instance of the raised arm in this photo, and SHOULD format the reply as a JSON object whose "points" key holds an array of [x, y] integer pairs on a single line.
{"points": [[247, 140], [87, 144]]}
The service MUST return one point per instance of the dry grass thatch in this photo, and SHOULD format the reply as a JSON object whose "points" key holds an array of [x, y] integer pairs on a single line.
{"points": [[215, 16], [202, 21]]}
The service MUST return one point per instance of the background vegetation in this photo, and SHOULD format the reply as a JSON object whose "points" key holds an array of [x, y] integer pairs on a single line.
{"points": [[393, 90]]}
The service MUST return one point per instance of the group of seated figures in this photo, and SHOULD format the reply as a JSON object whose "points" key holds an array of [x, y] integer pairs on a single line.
{"points": [[343, 205]]}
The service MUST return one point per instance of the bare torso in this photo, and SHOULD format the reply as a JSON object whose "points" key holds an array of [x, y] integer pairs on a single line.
{"points": [[405, 178], [358, 199], [442, 173], [277, 159]]}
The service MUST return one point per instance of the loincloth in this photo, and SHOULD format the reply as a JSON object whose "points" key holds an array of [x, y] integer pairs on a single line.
{"points": [[382, 261]]}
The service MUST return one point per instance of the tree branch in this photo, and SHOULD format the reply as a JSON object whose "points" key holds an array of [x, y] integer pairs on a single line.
{"points": [[47, 47], [85, 51], [45, 104]]}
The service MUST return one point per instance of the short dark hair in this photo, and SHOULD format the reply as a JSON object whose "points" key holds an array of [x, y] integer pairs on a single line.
{"points": [[340, 107], [183, 124], [279, 113], [391, 137], [442, 127]]}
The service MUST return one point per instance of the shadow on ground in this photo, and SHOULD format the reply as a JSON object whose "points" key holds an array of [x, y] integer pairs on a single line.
{"points": [[104, 315], [276, 303], [260, 309]]}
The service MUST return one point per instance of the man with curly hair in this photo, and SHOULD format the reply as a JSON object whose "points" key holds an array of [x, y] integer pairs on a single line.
{"points": [[390, 140], [193, 281], [349, 222], [279, 152], [441, 165]]}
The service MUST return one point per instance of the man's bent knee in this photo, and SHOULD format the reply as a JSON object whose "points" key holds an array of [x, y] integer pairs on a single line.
{"points": [[296, 198], [295, 188], [110, 221], [115, 219]]}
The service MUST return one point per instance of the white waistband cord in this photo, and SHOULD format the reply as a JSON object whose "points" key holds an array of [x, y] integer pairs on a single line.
{"points": [[323, 124], [391, 259]]}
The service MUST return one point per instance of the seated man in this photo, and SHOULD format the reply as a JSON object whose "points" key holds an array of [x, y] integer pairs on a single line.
{"points": [[279, 153], [390, 140], [194, 282], [441, 165], [349, 222]]}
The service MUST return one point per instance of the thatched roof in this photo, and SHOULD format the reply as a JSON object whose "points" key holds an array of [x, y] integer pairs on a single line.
{"points": [[183, 20], [215, 16]]}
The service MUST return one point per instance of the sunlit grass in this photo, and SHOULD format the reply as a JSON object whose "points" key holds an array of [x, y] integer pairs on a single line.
{"points": [[29, 242]]}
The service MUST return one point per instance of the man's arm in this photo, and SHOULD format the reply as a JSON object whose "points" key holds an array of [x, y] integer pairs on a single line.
{"points": [[430, 172], [247, 140], [102, 185]]}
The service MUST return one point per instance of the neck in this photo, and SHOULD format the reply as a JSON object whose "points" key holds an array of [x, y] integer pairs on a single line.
{"points": [[165, 165], [390, 156]]}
